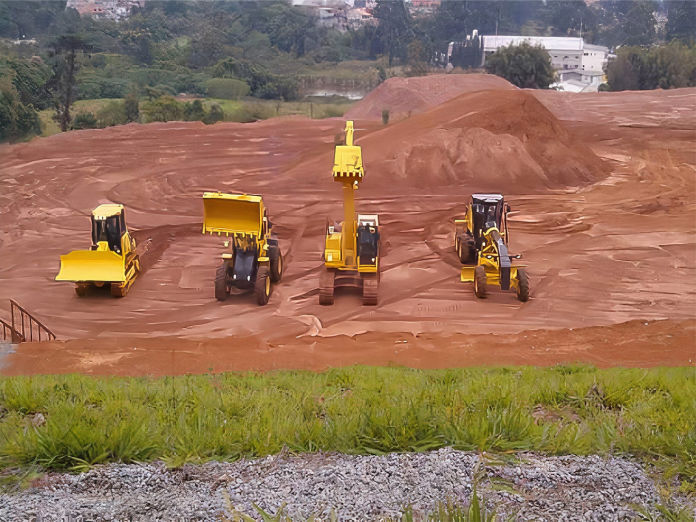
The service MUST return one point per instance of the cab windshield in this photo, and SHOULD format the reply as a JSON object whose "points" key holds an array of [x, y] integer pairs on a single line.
{"points": [[109, 230]]}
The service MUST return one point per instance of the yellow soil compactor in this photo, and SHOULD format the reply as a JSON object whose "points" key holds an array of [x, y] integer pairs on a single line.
{"points": [[253, 259], [351, 253], [112, 259], [480, 240]]}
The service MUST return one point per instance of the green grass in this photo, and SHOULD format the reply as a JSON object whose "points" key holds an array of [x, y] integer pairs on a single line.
{"points": [[248, 109], [564, 410]]}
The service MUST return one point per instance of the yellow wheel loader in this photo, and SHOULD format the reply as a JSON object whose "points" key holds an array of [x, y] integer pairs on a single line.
{"points": [[252, 260], [111, 260], [480, 240], [351, 253]]}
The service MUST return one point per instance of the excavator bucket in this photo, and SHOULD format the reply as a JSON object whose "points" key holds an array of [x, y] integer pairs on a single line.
{"points": [[91, 265], [232, 214]]}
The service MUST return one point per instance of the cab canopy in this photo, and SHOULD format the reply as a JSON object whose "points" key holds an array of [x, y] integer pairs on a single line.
{"points": [[231, 214]]}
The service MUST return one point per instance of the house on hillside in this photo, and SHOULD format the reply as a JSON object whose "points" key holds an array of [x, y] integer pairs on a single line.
{"points": [[579, 81]]}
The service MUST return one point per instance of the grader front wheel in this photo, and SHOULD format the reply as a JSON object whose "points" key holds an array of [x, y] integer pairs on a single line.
{"points": [[522, 285], [480, 282]]}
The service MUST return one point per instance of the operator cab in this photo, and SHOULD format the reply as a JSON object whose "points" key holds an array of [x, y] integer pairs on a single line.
{"points": [[487, 210], [368, 239], [108, 224]]}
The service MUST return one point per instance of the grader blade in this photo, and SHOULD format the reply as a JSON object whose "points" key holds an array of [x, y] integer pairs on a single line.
{"points": [[91, 265]]}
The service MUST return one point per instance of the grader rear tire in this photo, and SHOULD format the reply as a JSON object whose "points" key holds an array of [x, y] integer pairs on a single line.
{"points": [[522, 285], [480, 282], [221, 288], [262, 286]]}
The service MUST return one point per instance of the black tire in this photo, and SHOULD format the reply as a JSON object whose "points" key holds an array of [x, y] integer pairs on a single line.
{"points": [[466, 250], [222, 290], [262, 286], [276, 264], [522, 285], [480, 282], [81, 290]]}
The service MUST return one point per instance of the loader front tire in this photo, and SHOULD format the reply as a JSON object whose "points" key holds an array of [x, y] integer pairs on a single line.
{"points": [[262, 286], [222, 290], [522, 285], [276, 265], [480, 282]]}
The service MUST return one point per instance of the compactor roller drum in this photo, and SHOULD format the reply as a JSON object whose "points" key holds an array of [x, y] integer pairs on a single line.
{"points": [[111, 260], [252, 259], [351, 248], [480, 241]]}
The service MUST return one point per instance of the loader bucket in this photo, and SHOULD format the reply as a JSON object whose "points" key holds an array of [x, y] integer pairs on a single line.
{"points": [[91, 265], [232, 214]]}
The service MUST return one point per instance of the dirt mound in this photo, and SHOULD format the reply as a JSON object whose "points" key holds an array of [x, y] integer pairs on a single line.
{"points": [[490, 140], [406, 96]]}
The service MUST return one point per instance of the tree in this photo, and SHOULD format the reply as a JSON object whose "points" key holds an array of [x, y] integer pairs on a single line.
{"points": [[62, 84], [131, 106], [523, 65], [394, 28], [639, 25], [664, 67], [681, 20]]}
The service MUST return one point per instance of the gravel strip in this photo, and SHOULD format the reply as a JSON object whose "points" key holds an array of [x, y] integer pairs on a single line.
{"points": [[528, 486]]}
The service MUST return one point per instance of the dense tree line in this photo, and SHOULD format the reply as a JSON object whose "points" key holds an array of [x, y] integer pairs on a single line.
{"points": [[256, 48]]}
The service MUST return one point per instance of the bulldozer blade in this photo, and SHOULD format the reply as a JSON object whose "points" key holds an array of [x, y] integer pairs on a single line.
{"points": [[91, 265], [225, 215]]}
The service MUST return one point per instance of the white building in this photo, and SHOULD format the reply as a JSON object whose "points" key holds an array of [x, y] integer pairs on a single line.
{"points": [[567, 53]]}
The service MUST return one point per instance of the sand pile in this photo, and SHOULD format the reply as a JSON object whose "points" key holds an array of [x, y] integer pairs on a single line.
{"points": [[407, 96], [489, 140]]}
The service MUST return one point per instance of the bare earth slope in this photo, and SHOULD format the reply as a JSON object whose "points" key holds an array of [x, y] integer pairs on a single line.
{"points": [[604, 212], [407, 96]]}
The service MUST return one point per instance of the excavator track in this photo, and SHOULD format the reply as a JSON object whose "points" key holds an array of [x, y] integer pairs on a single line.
{"points": [[370, 289], [327, 279]]}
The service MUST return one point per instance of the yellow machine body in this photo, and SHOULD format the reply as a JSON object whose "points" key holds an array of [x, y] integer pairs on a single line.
{"points": [[240, 216], [340, 249], [481, 239], [111, 260]]}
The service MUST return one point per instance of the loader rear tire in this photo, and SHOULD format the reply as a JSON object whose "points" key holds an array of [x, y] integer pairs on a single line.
{"points": [[326, 287], [276, 264], [222, 290], [480, 282], [262, 286], [522, 285]]}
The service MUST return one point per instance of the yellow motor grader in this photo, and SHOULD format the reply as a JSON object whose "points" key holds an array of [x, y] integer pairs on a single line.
{"points": [[480, 240], [111, 260], [252, 260], [351, 249]]}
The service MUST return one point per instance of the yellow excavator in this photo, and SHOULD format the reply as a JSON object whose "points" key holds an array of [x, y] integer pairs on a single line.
{"points": [[111, 260], [252, 260], [351, 251], [480, 240]]}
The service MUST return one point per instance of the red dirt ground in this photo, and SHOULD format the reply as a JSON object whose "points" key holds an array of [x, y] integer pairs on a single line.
{"points": [[603, 190]]}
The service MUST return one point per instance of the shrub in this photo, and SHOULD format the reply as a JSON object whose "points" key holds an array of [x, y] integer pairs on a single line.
{"points": [[385, 116], [164, 108], [227, 88], [84, 120], [194, 111], [215, 114], [114, 113], [17, 120]]}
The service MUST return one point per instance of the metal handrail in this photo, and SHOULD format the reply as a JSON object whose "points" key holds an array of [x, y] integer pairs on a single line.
{"points": [[29, 324], [13, 336]]}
